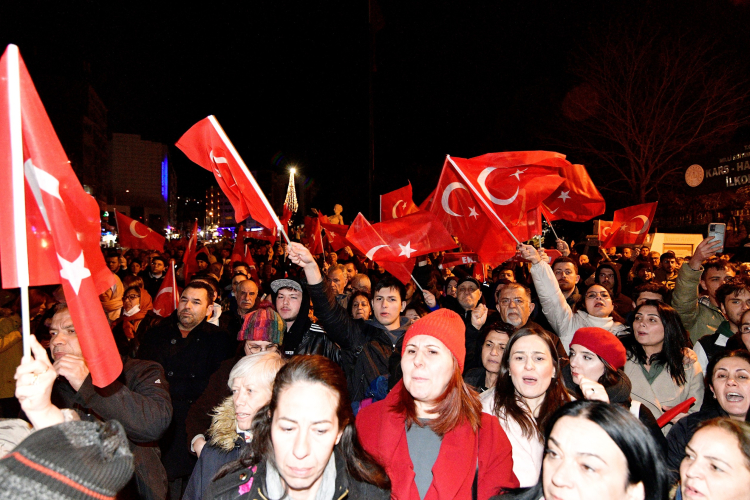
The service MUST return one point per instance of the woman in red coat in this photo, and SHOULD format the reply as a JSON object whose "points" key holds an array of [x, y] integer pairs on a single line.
{"points": [[430, 434]]}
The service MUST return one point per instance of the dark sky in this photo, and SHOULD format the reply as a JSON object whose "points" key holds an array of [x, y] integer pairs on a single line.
{"points": [[289, 80]]}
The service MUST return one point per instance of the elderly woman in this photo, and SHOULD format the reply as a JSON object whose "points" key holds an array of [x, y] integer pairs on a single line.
{"points": [[429, 433], [251, 382], [305, 445], [717, 462], [595, 309]]}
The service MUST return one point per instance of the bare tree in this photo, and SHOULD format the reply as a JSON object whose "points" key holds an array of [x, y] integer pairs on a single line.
{"points": [[647, 97]]}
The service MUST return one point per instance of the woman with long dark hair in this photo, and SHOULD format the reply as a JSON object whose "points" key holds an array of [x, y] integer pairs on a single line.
{"points": [[304, 442], [663, 370], [728, 381], [430, 433], [527, 392], [495, 336], [594, 450]]}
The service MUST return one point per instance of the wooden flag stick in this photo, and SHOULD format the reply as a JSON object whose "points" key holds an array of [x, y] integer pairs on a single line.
{"points": [[417, 283], [549, 222]]}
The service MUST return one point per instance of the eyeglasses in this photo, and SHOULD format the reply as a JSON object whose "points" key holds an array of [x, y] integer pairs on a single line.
{"points": [[519, 301], [255, 349], [131, 297]]}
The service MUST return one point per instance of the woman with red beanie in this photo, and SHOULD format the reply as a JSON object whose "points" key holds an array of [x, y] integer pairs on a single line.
{"points": [[429, 433], [597, 358]]}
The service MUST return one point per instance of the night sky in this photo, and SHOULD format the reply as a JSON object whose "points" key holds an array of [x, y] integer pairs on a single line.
{"points": [[289, 80]]}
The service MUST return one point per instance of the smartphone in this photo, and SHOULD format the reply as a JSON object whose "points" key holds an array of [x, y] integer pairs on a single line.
{"points": [[717, 230]]}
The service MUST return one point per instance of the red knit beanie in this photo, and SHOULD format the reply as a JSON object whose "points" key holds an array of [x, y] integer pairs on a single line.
{"points": [[444, 325], [602, 343]]}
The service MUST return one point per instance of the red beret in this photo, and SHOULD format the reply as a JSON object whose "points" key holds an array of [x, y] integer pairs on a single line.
{"points": [[602, 343]]}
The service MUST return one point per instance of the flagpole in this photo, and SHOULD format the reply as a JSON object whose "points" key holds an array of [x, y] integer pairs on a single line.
{"points": [[175, 297], [249, 176], [417, 283], [481, 198], [18, 190], [549, 223]]}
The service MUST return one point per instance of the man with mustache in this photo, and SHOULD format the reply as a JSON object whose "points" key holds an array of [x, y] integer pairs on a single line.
{"points": [[190, 349]]}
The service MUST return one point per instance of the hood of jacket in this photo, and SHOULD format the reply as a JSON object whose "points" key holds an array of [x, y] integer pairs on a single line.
{"points": [[223, 430], [618, 284]]}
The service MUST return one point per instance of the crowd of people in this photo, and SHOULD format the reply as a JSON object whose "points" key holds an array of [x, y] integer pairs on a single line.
{"points": [[607, 374]]}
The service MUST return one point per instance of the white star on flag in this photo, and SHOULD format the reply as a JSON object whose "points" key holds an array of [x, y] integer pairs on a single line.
{"points": [[473, 212], [624, 227], [564, 195], [518, 173], [74, 272], [406, 249]]}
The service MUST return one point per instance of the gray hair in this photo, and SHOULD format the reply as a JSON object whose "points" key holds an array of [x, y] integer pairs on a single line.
{"points": [[262, 366]]}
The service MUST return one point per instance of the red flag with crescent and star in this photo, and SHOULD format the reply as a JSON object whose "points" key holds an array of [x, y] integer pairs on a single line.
{"points": [[313, 235], [206, 144], [134, 234], [335, 233], [460, 208], [63, 227], [363, 236], [397, 204], [630, 225], [603, 229], [165, 302], [190, 266], [576, 199]]}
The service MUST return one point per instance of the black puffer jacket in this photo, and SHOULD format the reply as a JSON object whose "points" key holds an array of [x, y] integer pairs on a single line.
{"points": [[252, 484]]}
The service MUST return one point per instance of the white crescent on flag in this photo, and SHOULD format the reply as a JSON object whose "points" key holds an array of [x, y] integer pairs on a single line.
{"points": [[643, 219], [134, 232], [446, 196], [371, 252], [395, 206], [482, 179]]}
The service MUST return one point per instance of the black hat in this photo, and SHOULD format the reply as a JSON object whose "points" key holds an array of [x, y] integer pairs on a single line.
{"points": [[74, 460], [469, 278]]}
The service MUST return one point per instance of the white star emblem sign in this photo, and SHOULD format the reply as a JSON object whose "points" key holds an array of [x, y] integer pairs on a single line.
{"points": [[564, 195], [406, 249], [75, 272], [517, 174], [473, 212]]}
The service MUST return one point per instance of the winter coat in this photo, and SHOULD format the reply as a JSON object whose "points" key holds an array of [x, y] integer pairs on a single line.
{"points": [[681, 434], [365, 345], [464, 455], [188, 363], [251, 484], [528, 451], [223, 446], [664, 391], [558, 312], [697, 314], [139, 399]]}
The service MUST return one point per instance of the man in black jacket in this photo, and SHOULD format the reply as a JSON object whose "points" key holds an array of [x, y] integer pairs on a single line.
{"points": [[189, 349], [138, 399], [366, 346]]}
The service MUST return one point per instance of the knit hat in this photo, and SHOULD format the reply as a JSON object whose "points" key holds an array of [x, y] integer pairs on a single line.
{"points": [[263, 324], [602, 343], [74, 460], [444, 325], [202, 256]]}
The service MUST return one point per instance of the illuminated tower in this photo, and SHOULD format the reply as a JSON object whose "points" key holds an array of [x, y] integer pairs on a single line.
{"points": [[291, 193]]}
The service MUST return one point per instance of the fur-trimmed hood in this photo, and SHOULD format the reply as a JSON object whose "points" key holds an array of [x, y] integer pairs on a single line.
{"points": [[223, 430]]}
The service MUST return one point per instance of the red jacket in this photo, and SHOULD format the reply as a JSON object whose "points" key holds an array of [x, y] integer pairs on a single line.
{"points": [[383, 434]]}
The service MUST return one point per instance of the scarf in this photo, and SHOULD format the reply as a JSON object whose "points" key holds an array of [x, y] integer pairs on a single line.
{"points": [[275, 488], [131, 320]]}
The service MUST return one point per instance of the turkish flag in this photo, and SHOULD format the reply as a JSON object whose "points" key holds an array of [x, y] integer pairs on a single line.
{"points": [[286, 216], [513, 183], [458, 259], [460, 210], [190, 265], [577, 199], [370, 242], [165, 302], [62, 220], [630, 225], [240, 253], [397, 204], [134, 234], [335, 233], [313, 235], [604, 229], [477, 272], [206, 144]]}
